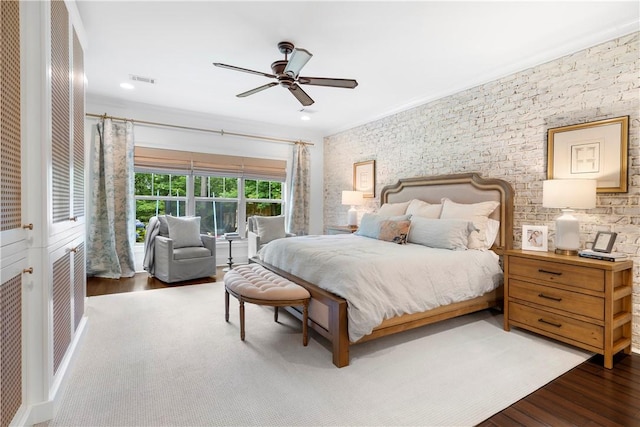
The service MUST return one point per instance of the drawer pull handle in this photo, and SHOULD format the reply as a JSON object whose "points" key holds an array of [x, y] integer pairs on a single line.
{"points": [[555, 273], [541, 295], [557, 325]]}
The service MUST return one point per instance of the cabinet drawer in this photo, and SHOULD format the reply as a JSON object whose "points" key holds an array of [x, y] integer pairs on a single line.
{"points": [[566, 274], [547, 296], [544, 321]]}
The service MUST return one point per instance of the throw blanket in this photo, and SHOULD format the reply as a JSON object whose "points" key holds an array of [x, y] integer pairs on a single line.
{"points": [[381, 279], [153, 229]]}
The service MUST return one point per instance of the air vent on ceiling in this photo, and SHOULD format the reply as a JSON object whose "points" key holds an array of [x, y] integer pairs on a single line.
{"points": [[143, 79]]}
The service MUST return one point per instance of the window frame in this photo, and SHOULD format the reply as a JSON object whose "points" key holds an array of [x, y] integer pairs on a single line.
{"points": [[190, 199]]}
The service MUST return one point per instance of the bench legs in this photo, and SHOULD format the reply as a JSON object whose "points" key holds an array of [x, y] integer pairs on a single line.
{"points": [[305, 315]]}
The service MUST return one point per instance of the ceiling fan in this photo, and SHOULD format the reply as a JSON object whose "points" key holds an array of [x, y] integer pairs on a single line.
{"points": [[287, 73]]}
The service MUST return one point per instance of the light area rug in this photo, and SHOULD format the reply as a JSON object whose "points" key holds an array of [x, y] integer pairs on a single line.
{"points": [[167, 357]]}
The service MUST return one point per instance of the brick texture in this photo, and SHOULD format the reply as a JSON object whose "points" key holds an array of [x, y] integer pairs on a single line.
{"points": [[499, 129]]}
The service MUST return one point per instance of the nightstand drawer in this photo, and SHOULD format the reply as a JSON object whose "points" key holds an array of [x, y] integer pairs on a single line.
{"points": [[544, 321], [566, 274], [547, 296]]}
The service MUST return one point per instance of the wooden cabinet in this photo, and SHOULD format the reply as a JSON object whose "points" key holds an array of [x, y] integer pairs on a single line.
{"points": [[341, 229], [580, 301]]}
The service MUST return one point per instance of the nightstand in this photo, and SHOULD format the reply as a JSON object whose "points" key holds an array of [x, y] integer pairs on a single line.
{"points": [[341, 229], [580, 301]]}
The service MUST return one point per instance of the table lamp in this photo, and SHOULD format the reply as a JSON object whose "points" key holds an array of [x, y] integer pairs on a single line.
{"points": [[568, 194], [352, 198]]}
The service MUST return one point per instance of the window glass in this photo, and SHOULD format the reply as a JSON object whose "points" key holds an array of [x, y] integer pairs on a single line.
{"points": [[215, 199], [264, 198]]}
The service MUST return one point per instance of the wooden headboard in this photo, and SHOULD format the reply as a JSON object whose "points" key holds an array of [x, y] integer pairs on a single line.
{"points": [[460, 188]]}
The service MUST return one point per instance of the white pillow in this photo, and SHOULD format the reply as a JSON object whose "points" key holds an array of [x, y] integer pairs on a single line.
{"points": [[440, 233], [424, 209], [393, 209], [476, 212], [493, 227], [270, 228], [184, 231]]}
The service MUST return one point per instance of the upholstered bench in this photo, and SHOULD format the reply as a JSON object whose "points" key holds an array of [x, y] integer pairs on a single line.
{"points": [[255, 284]]}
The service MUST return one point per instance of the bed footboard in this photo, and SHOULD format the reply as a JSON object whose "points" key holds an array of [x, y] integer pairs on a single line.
{"points": [[327, 314]]}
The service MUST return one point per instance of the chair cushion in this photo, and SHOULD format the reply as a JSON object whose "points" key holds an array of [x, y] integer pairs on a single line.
{"points": [[270, 228], [256, 282], [184, 231], [190, 253]]}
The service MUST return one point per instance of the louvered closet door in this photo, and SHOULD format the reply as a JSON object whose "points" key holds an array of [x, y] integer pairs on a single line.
{"points": [[67, 294], [60, 112], [10, 151], [78, 128], [13, 256], [10, 348]]}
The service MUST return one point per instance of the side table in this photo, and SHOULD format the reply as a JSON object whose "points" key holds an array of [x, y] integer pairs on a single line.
{"points": [[230, 262]]}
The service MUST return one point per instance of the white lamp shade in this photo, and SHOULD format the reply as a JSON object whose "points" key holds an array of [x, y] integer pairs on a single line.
{"points": [[352, 198], [569, 193]]}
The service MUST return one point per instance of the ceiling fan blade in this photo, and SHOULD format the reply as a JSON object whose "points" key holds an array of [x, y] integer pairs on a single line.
{"points": [[245, 70], [256, 90], [299, 57], [300, 95], [322, 81]]}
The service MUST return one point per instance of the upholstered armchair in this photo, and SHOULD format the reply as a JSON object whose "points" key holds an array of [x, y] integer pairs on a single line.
{"points": [[176, 251], [263, 229]]}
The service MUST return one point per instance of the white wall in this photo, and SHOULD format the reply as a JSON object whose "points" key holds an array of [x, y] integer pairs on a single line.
{"points": [[206, 142]]}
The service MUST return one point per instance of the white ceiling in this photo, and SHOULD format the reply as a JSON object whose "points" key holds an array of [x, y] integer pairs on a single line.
{"points": [[401, 53]]}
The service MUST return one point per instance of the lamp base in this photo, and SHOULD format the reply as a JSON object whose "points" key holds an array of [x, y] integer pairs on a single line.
{"points": [[352, 217], [570, 252]]}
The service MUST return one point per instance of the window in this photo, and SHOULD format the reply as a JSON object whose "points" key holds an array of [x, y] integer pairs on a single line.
{"points": [[263, 197], [222, 203]]}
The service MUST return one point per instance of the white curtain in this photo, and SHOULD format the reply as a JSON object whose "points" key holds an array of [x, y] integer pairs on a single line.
{"points": [[298, 204], [111, 229]]}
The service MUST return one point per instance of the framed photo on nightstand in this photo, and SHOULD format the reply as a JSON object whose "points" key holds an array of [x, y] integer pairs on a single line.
{"points": [[534, 238], [604, 241]]}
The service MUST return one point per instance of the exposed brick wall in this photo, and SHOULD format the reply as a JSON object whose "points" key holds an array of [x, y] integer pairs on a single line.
{"points": [[499, 129]]}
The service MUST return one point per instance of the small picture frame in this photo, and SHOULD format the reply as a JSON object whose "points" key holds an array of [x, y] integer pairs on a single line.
{"points": [[535, 238], [364, 178], [604, 241]]}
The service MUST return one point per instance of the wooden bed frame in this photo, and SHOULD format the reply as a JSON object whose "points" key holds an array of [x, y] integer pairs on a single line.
{"points": [[328, 312]]}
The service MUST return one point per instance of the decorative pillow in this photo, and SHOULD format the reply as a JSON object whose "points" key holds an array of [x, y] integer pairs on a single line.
{"points": [[184, 231], [370, 224], [164, 226], [393, 209], [394, 231], [476, 212], [441, 233], [270, 228], [424, 209]]}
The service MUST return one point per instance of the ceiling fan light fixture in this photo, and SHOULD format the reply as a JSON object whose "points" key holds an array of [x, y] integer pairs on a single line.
{"points": [[298, 59]]}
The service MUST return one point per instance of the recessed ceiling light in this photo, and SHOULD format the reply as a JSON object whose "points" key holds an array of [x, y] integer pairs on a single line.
{"points": [[127, 86], [305, 118]]}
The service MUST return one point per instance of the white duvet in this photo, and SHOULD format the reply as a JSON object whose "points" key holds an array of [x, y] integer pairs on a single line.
{"points": [[381, 279]]}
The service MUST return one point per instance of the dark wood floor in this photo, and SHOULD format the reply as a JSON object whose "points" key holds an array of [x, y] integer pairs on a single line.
{"points": [[587, 396]]}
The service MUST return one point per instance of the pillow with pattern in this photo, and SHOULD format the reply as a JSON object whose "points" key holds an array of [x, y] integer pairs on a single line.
{"points": [[370, 224], [394, 231]]}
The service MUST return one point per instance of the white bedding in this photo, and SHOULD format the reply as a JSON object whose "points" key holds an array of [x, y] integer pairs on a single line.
{"points": [[381, 279]]}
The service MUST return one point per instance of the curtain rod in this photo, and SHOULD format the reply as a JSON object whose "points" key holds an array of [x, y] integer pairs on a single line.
{"points": [[220, 132]]}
